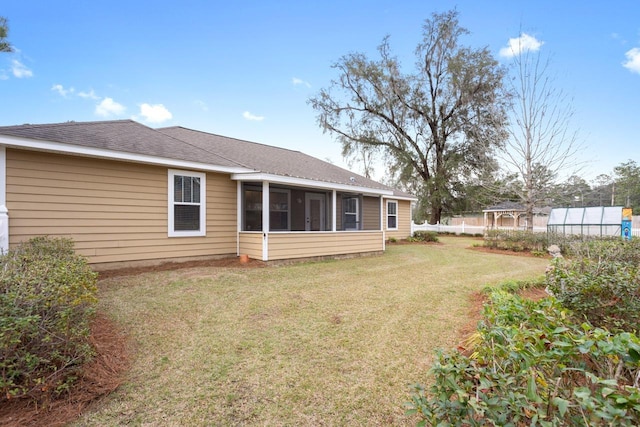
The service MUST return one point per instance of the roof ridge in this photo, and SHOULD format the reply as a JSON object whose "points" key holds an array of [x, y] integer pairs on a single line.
{"points": [[379, 184], [159, 130], [74, 123], [231, 137]]}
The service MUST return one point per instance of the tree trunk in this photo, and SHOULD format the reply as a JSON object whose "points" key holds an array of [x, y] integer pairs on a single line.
{"points": [[436, 213]]}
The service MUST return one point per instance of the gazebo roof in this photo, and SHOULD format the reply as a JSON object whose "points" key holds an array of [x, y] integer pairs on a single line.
{"points": [[505, 206]]}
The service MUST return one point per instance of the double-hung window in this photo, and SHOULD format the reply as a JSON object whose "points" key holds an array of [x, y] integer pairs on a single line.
{"points": [[187, 203], [392, 215]]}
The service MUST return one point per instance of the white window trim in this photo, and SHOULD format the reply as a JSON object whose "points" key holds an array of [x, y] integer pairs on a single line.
{"points": [[395, 202], [203, 204]]}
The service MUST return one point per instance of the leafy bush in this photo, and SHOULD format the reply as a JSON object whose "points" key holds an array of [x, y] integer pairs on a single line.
{"points": [[517, 241], [530, 365], [513, 286], [569, 243], [608, 248], [425, 236], [600, 283], [47, 298]]}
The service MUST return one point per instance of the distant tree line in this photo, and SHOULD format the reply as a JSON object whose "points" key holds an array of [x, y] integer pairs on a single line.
{"points": [[621, 187]]}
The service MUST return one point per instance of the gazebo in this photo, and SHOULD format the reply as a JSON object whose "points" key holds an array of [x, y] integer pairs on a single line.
{"points": [[503, 215]]}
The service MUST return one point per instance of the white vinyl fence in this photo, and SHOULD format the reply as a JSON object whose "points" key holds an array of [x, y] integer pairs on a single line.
{"points": [[477, 229], [461, 228]]}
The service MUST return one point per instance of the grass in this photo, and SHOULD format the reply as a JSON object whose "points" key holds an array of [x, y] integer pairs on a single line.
{"points": [[317, 343]]}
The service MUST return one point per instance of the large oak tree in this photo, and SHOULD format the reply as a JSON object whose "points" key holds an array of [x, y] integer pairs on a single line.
{"points": [[434, 127]]}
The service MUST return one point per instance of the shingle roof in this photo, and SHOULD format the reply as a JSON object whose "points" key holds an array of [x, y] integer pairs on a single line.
{"points": [[272, 160], [506, 206], [178, 143], [119, 135]]}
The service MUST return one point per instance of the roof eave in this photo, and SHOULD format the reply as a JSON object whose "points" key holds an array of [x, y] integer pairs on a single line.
{"points": [[65, 148], [305, 182]]}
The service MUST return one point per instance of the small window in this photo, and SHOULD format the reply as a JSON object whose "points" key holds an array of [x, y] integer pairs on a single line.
{"points": [[187, 203], [392, 215], [351, 213]]}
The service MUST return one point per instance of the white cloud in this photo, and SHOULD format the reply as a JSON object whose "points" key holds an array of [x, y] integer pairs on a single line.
{"points": [[108, 107], [633, 60], [521, 44], [61, 90], [247, 115], [3, 75], [20, 70], [297, 82], [88, 95], [156, 113]]}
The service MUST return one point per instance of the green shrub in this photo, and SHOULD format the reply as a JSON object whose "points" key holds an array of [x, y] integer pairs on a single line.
{"points": [[514, 286], [425, 236], [608, 248], [604, 291], [47, 298], [515, 240], [530, 365]]}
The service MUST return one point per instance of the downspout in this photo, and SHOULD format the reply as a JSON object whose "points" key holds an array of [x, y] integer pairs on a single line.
{"points": [[4, 212]]}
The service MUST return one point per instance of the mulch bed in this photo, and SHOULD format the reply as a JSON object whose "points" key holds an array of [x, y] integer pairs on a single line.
{"points": [[507, 252], [99, 378]]}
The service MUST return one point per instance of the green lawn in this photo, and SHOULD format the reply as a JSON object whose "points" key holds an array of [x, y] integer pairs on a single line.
{"points": [[315, 343]]}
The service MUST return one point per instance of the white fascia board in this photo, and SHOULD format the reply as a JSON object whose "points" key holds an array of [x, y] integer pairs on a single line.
{"points": [[304, 182], [392, 197], [62, 148]]}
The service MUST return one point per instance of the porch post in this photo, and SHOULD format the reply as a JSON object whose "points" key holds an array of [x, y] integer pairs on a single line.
{"points": [[4, 212], [334, 200], [265, 221], [238, 215], [382, 227]]}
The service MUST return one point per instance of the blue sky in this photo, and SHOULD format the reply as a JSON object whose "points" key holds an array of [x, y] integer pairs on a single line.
{"points": [[246, 69]]}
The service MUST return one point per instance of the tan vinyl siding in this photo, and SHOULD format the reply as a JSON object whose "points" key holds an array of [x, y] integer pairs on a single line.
{"points": [[370, 213], [304, 245], [114, 211], [404, 220], [251, 244]]}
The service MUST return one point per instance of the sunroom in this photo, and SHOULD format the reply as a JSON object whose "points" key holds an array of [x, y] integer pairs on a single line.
{"points": [[307, 219]]}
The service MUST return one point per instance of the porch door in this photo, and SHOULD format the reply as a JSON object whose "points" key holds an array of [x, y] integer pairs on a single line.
{"points": [[314, 211]]}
